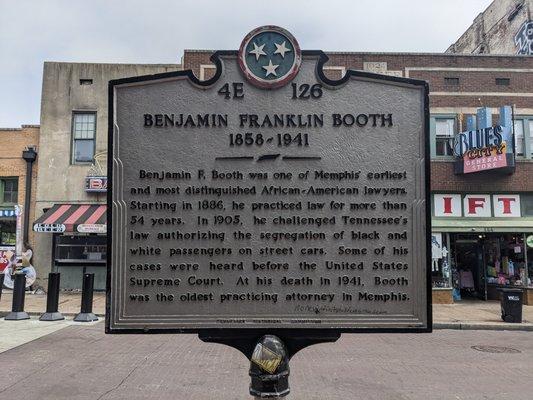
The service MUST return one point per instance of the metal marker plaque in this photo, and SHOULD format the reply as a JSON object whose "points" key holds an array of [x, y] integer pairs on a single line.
{"points": [[269, 196]]}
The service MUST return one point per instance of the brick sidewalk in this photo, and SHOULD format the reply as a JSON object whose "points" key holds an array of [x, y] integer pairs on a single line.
{"points": [[478, 315], [82, 363], [69, 303], [463, 315]]}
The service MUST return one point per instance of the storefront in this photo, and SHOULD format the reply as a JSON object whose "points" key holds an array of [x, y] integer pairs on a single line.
{"points": [[79, 242], [482, 243], [8, 236], [8, 227]]}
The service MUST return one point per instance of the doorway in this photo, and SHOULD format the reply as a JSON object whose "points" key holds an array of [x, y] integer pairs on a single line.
{"points": [[470, 267]]}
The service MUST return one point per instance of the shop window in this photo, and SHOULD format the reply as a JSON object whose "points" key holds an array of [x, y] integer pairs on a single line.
{"points": [[483, 263], [83, 137], [9, 190], [504, 259], [444, 132], [79, 249], [440, 261], [8, 228]]}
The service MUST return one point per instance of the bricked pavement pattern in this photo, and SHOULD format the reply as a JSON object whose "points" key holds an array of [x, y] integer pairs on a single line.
{"points": [[81, 362], [464, 315]]}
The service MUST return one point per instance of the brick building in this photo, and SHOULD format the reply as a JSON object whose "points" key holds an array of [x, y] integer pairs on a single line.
{"points": [[466, 92], [485, 249], [15, 149], [71, 191], [505, 27]]}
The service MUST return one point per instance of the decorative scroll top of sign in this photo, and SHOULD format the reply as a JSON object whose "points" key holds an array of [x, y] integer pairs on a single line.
{"points": [[269, 57]]}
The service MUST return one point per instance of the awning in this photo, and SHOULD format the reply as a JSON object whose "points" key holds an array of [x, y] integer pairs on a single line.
{"points": [[85, 218], [475, 225]]}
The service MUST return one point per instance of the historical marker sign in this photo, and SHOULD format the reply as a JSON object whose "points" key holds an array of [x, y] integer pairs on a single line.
{"points": [[268, 196]]}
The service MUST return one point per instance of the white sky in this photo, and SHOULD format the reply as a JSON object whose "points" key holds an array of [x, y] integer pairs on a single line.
{"points": [[157, 31]]}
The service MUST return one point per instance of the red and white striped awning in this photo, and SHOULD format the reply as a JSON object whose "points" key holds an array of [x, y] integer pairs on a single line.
{"points": [[84, 218]]}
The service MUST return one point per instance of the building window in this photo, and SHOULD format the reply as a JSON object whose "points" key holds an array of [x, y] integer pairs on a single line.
{"points": [[9, 190], [523, 136], [530, 125], [527, 205], [86, 81], [444, 132], [503, 81], [80, 249], [519, 137], [83, 137], [451, 81]]}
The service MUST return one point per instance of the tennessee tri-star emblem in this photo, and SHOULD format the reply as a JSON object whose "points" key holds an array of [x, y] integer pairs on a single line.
{"points": [[269, 57]]}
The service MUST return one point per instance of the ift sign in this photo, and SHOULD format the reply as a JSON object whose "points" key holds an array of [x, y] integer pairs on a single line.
{"points": [[269, 198]]}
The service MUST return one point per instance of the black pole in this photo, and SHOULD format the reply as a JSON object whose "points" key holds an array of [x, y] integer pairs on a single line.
{"points": [[19, 290], [29, 156], [2, 275], [52, 299], [269, 352], [86, 314]]}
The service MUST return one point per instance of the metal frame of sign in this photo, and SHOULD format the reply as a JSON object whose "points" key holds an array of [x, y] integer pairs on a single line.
{"points": [[297, 337]]}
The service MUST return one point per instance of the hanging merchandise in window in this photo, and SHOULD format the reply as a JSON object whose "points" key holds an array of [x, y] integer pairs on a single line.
{"points": [[505, 260], [440, 268]]}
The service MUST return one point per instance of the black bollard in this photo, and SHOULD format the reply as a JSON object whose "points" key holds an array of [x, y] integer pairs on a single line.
{"points": [[86, 314], [269, 368], [1, 283], [52, 299], [19, 290]]}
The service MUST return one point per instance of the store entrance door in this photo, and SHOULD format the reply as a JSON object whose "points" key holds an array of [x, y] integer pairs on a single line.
{"points": [[469, 262]]}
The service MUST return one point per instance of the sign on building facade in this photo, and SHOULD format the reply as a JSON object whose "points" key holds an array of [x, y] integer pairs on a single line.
{"points": [[477, 205], [96, 184], [524, 39], [483, 149], [268, 196], [488, 148]]}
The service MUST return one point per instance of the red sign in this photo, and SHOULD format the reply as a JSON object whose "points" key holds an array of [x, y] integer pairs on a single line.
{"points": [[96, 184], [6, 252], [484, 159], [476, 205]]}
